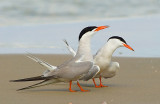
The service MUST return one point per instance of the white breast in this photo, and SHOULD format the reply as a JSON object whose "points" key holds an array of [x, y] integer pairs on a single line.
{"points": [[111, 70]]}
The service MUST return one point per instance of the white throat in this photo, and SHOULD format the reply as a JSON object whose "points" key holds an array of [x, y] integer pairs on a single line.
{"points": [[84, 47], [108, 50]]}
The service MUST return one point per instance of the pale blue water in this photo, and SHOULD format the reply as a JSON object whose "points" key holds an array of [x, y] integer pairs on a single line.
{"points": [[142, 34], [39, 26]]}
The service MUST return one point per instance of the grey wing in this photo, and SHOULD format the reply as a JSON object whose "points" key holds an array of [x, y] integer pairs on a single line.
{"points": [[92, 73], [73, 70]]}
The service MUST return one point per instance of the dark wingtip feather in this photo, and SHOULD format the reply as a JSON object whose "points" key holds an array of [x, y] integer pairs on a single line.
{"points": [[33, 86], [12, 81], [25, 88], [19, 80], [65, 41], [21, 89], [29, 79]]}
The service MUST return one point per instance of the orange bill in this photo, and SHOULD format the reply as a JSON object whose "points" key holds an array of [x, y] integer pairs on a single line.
{"points": [[127, 46], [101, 27]]}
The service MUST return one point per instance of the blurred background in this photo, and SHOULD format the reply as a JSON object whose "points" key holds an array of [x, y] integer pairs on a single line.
{"points": [[39, 26], [29, 12]]}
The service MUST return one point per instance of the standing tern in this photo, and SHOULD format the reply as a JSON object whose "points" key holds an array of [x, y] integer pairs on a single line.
{"points": [[104, 55], [71, 70], [103, 58], [84, 49]]}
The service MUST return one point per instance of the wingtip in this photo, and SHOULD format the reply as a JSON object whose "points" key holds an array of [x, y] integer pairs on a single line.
{"points": [[18, 90], [13, 81], [21, 89], [65, 41]]}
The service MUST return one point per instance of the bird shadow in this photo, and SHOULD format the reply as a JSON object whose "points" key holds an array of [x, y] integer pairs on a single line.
{"points": [[85, 85], [109, 85], [47, 90], [82, 84], [90, 85]]}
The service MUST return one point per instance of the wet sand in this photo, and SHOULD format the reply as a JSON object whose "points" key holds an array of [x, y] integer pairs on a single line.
{"points": [[137, 82]]}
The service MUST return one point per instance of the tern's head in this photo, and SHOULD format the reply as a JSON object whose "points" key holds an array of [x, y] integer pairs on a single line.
{"points": [[90, 30], [119, 42]]}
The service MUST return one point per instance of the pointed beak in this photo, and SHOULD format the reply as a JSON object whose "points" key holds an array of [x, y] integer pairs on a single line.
{"points": [[127, 46], [101, 27]]}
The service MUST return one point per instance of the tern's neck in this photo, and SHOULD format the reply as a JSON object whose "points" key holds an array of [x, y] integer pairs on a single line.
{"points": [[84, 48], [108, 50]]}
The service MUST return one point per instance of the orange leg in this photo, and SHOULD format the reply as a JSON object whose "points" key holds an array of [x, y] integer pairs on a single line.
{"points": [[95, 83], [70, 84], [81, 87], [101, 82]]}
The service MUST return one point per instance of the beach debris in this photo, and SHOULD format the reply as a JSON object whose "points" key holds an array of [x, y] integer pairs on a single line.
{"points": [[104, 102], [156, 71], [152, 67]]}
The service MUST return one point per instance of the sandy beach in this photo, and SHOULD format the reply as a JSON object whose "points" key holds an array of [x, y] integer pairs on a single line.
{"points": [[137, 82], [41, 28]]}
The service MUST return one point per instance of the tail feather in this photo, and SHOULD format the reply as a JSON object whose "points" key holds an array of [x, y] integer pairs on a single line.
{"points": [[43, 63], [29, 79], [32, 86], [71, 50], [43, 83]]}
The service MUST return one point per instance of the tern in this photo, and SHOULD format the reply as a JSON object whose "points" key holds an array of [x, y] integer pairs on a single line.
{"points": [[84, 49], [72, 70], [103, 58]]}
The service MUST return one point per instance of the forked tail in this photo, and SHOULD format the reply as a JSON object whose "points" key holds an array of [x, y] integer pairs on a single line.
{"points": [[43, 83], [29, 79]]}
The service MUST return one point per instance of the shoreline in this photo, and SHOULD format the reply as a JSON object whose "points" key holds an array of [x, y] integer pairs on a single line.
{"points": [[69, 55], [50, 37]]}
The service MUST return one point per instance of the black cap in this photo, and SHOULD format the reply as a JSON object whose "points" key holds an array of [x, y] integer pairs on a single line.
{"points": [[85, 30], [118, 37]]}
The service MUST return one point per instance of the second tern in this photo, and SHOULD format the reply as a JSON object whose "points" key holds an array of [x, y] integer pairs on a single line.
{"points": [[103, 58]]}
